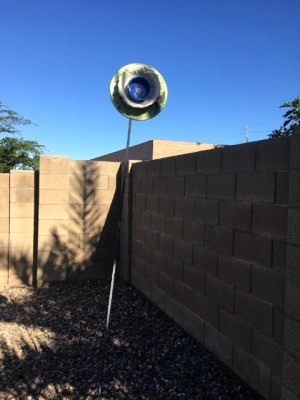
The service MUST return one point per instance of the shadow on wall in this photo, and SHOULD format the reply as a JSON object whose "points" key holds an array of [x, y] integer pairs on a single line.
{"points": [[79, 247]]}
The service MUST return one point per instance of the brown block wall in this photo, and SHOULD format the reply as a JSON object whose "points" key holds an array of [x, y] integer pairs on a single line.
{"points": [[78, 216], [209, 246], [59, 223], [4, 227]]}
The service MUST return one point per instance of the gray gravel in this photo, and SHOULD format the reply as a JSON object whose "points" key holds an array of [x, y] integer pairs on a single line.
{"points": [[53, 345]]}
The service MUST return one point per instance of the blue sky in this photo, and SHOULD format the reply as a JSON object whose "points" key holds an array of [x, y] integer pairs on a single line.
{"points": [[227, 64]]}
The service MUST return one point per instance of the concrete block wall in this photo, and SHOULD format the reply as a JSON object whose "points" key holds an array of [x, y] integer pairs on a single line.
{"points": [[291, 359], [78, 216], [59, 223], [209, 247], [4, 228]]}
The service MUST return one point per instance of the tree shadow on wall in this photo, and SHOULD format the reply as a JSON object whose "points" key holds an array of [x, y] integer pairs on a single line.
{"points": [[82, 246]]}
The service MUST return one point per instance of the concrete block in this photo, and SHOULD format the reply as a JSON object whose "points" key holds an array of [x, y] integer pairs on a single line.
{"points": [[292, 299], [294, 225], [234, 271], [295, 149], [145, 286], [21, 240], [21, 225], [206, 210], [287, 394], [167, 205], [158, 222], [268, 351], [146, 252], [268, 285], [236, 329], [51, 227], [219, 238], [193, 325], [160, 185], [158, 297], [293, 183], [146, 184], [174, 268], [4, 225], [146, 219], [21, 210], [206, 309], [218, 344], [166, 283], [221, 186], [291, 336], [254, 248], [153, 168], [239, 157], [54, 164], [152, 203], [279, 260], [278, 321], [282, 187], [167, 166], [166, 244], [21, 195], [254, 310], [174, 226], [4, 210], [208, 162], [139, 265], [140, 201], [184, 207], [194, 278], [3, 240], [270, 220], [205, 259], [54, 211], [53, 196], [293, 262], [152, 239], [193, 232], [105, 197], [195, 185], [186, 164], [183, 294], [4, 180], [273, 155], [139, 169], [174, 309], [291, 373], [176, 186], [183, 251], [256, 186], [159, 259], [252, 371], [22, 179], [220, 292], [236, 214], [4, 195], [135, 279]]}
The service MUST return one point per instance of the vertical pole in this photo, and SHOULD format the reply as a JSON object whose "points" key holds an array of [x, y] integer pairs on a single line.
{"points": [[119, 226]]}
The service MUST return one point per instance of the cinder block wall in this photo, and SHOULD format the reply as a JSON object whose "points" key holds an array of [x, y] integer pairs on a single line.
{"points": [[59, 223], [209, 247]]}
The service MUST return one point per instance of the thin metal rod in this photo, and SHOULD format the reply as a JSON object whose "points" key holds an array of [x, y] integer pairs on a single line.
{"points": [[119, 227]]}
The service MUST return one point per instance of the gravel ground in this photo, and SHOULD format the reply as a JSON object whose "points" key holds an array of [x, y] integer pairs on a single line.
{"points": [[53, 345]]}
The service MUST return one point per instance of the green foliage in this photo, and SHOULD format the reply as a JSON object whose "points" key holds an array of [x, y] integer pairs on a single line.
{"points": [[9, 119], [292, 118], [18, 153]]}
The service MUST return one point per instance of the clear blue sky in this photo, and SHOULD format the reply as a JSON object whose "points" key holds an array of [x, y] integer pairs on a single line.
{"points": [[227, 64]]}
